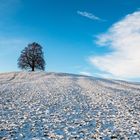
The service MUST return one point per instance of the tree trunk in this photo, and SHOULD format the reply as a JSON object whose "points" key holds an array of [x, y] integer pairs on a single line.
{"points": [[33, 65], [33, 69]]}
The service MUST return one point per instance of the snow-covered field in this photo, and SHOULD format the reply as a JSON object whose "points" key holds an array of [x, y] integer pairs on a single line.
{"points": [[56, 106]]}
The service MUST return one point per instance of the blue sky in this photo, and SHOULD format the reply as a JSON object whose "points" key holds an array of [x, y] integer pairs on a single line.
{"points": [[88, 37]]}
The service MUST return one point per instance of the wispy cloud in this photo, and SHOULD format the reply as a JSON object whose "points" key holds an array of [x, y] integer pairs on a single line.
{"points": [[85, 73], [124, 39], [89, 15]]}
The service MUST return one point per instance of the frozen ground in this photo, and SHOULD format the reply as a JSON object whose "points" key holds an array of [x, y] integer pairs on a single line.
{"points": [[51, 106]]}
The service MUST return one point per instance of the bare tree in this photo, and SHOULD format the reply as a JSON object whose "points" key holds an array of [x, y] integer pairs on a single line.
{"points": [[32, 57]]}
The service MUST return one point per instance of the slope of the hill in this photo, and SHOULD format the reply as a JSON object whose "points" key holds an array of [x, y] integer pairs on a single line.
{"points": [[53, 106]]}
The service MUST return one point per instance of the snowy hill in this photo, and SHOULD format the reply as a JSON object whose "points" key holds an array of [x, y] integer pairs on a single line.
{"points": [[53, 106]]}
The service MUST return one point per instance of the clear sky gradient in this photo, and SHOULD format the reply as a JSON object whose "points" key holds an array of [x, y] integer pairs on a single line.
{"points": [[92, 37]]}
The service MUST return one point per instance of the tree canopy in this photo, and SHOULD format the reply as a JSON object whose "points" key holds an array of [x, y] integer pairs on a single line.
{"points": [[32, 58]]}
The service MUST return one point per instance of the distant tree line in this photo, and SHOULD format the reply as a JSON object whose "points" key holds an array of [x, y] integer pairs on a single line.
{"points": [[32, 58]]}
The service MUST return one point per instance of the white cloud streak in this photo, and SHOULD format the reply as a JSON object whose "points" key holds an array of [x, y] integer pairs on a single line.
{"points": [[89, 15], [124, 39], [85, 73]]}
